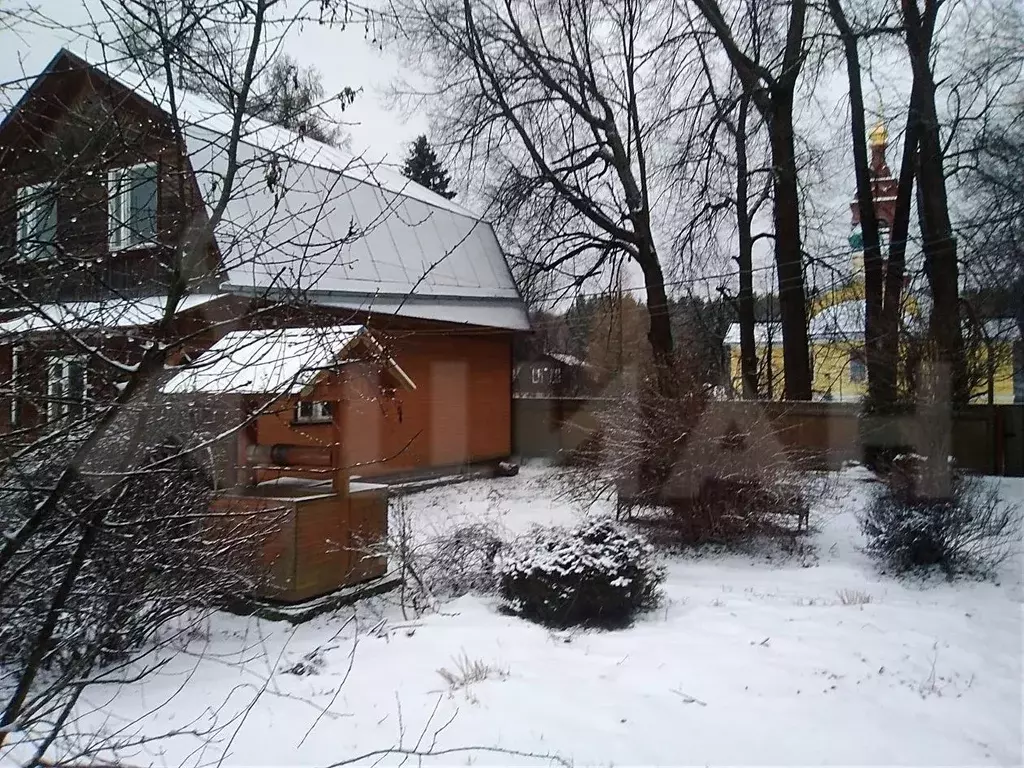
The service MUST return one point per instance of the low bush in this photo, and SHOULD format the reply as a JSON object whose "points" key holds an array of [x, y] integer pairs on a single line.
{"points": [[598, 574], [967, 528], [461, 561], [728, 509]]}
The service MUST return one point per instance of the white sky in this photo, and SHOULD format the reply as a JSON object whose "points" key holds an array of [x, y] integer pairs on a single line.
{"points": [[344, 59]]}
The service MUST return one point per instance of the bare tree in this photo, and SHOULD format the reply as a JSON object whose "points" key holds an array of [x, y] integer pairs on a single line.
{"points": [[772, 94], [570, 100], [938, 241]]}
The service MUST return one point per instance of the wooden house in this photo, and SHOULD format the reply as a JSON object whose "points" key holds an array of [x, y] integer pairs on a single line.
{"points": [[131, 216], [553, 375]]}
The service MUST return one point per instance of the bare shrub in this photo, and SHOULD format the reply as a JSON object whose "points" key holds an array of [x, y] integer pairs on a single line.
{"points": [[709, 471], [853, 597], [468, 671], [966, 529], [152, 558], [440, 565]]}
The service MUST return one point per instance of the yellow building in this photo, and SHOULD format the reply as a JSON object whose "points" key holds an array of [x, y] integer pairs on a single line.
{"points": [[836, 337], [836, 326]]}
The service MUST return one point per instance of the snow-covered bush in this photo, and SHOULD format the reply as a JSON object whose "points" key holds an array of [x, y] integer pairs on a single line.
{"points": [[967, 528], [597, 574]]}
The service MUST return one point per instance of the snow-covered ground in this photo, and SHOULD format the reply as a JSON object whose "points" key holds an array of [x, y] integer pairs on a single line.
{"points": [[806, 660]]}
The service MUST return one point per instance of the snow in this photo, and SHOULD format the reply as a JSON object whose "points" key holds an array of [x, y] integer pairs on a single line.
{"points": [[270, 361], [764, 660], [763, 333], [100, 315]]}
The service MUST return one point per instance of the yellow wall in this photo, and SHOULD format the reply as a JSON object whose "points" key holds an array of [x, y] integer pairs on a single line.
{"points": [[831, 364]]}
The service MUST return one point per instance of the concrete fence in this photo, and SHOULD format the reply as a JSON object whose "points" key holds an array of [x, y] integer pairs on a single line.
{"points": [[985, 438]]}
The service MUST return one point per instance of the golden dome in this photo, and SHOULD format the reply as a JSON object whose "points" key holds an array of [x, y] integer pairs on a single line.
{"points": [[879, 135]]}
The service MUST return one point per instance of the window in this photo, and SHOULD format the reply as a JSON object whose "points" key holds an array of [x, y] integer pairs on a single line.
{"points": [[37, 222], [65, 386], [858, 369], [16, 353], [132, 194], [312, 412]]}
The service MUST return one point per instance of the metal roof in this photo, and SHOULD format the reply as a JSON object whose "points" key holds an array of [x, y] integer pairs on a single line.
{"points": [[307, 219]]}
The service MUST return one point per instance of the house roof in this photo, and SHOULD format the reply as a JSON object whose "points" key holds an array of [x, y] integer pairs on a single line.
{"points": [[278, 361], [845, 320], [762, 333], [99, 315], [307, 219]]}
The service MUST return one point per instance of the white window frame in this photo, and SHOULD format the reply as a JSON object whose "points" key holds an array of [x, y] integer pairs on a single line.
{"points": [[119, 199], [31, 199], [16, 353], [319, 412], [858, 364], [58, 404]]}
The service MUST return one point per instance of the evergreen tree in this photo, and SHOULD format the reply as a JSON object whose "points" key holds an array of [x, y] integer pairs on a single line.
{"points": [[422, 166]]}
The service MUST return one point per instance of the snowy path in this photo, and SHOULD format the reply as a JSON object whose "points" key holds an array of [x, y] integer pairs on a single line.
{"points": [[748, 662]]}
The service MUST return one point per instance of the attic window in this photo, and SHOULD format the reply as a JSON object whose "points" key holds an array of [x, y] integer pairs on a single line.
{"points": [[37, 222], [132, 193], [312, 412]]}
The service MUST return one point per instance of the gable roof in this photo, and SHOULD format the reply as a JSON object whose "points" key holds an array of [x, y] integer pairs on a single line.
{"points": [[278, 361], [307, 219]]}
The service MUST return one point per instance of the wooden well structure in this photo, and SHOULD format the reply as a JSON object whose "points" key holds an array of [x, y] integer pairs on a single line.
{"points": [[318, 530]]}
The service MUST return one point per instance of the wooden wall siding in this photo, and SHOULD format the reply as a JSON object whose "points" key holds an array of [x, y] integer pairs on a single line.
{"points": [[89, 129], [271, 525], [331, 536], [306, 546], [459, 413]]}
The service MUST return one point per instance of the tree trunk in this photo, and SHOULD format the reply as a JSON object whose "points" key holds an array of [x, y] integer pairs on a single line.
{"points": [[895, 272], [939, 245], [873, 264], [660, 332], [788, 253], [745, 261]]}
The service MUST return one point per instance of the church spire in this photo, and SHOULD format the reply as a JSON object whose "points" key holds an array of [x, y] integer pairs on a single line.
{"points": [[883, 185]]}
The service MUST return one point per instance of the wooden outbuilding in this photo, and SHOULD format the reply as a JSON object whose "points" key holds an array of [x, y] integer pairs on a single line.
{"points": [[322, 532]]}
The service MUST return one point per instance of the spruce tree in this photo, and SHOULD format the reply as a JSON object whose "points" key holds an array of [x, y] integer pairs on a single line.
{"points": [[422, 166]]}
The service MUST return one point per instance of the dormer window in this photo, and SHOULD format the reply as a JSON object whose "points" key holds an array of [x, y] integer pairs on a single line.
{"points": [[313, 412], [132, 193], [37, 222]]}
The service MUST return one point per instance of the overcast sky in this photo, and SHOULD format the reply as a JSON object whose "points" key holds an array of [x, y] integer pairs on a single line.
{"points": [[344, 58]]}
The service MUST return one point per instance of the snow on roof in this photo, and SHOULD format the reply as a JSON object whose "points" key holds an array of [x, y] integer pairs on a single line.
{"points": [[762, 333], [567, 359], [331, 223], [845, 320], [277, 361], [99, 315], [840, 321]]}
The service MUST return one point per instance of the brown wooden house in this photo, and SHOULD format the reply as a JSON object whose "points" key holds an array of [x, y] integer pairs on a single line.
{"points": [[119, 231]]}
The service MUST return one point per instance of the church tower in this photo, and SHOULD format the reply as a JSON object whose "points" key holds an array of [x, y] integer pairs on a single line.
{"points": [[883, 185]]}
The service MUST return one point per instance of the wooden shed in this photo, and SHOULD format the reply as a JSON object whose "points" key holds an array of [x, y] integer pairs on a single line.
{"points": [[320, 531]]}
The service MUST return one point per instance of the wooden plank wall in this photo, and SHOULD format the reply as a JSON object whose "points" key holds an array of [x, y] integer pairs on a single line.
{"points": [[987, 439], [460, 412]]}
